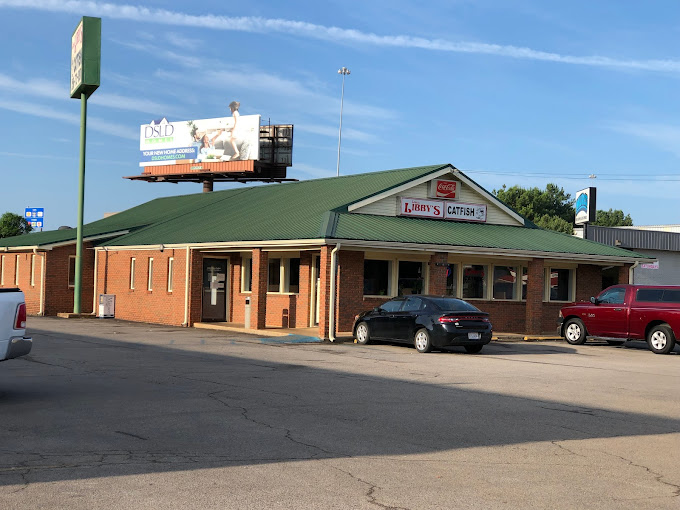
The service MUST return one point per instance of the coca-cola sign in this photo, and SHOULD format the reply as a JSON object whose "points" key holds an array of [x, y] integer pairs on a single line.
{"points": [[444, 189]]}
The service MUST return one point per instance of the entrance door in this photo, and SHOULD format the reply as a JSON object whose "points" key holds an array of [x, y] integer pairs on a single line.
{"points": [[214, 290]]}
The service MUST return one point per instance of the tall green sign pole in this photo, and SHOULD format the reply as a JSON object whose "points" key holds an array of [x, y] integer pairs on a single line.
{"points": [[85, 70]]}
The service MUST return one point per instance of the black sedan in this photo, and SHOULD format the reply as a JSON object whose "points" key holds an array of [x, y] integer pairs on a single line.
{"points": [[426, 321]]}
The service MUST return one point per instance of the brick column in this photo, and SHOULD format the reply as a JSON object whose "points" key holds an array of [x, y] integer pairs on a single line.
{"points": [[437, 281], [350, 288], [588, 282], [624, 273], [324, 290], [535, 290], [258, 297], [195, 286]]}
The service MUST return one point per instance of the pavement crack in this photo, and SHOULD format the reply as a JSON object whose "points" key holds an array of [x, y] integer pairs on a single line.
{"points": [[657, 476], [370, 492], [131, 435]]}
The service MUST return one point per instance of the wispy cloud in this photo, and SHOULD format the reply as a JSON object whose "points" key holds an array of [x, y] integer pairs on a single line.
{"points": [[55, 90], [347, 133], [329, 33], [664, 136], [94, 123]]}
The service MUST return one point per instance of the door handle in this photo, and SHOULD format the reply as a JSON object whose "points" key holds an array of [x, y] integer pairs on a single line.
{"points": [[618, 309]]}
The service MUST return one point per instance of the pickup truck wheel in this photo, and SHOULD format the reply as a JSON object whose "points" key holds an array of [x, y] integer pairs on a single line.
{"points": [[575, 332], [661, 339]]}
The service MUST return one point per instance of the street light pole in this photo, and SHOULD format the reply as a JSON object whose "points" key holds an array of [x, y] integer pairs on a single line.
{"points": [[344, 72]]}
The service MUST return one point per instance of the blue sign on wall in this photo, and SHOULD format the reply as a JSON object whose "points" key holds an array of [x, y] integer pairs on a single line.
{"points": [[35, 216]]}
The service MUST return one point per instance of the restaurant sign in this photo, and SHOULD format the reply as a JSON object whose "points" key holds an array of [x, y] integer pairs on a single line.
{"points": [[442, 210], [440, 188]]}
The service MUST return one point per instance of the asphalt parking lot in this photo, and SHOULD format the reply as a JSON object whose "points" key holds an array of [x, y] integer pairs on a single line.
{"points": [[109, 414]]}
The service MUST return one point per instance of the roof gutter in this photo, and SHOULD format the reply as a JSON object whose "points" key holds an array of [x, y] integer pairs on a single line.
{"points": [[631, 270], [331, 311]]}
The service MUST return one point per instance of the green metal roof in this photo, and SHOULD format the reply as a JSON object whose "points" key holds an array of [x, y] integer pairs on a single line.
{"points": [[313, 209], [478, 235]]}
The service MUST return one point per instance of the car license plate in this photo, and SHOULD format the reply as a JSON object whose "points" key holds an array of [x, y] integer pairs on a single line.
{"points": [[474, 336]]}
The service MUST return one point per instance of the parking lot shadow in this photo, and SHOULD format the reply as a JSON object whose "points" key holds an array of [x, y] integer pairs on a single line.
{"points": [[90, 405]]}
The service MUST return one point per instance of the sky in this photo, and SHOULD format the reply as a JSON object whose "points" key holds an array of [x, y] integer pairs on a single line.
{"points": [[514, 92]]}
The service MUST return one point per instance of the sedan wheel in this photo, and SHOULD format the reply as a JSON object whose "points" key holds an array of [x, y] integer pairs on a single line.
{"points": [[422, 341], [660, 339], [363, 336]]}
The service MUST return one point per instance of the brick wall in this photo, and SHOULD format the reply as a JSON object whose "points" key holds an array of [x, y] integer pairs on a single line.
{"points": [[58, 296], [588, 282], [624, 273], [140, 304]]}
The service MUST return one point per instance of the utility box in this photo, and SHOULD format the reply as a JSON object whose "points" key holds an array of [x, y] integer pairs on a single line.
{"points": [[107, 306], [246, 315]]}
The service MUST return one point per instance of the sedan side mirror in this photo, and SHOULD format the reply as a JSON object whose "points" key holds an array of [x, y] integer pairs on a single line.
{"points": [[594, 300], [377, 309]]}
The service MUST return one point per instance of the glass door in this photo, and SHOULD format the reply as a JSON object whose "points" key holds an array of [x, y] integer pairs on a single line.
{"points": [[214, 290]]}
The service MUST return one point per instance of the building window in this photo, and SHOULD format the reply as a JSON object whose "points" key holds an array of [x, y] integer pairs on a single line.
{"points": [[474, 281], [377, 277], [293, 275], [560, 284], [132, 273], [525, 280], [452, 280], [274, 280], [504, 282], [247, 274], [71, 270], [16, 271], [33, 270], [411, 278], [149, 285], [284, 275], [2, 271], [171, 272]]}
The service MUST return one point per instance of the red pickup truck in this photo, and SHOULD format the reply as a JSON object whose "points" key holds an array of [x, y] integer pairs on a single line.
{"points": [[626, 312]]}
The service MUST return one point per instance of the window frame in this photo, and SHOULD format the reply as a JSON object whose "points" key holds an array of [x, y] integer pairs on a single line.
{"points": [[71, 276], [247, 274], [16, 270], [516, 291], [572, 284], [284, 273], [2, 270], [393, 273], [149, 280], [133, 263], [485, 289], [171, 273]]}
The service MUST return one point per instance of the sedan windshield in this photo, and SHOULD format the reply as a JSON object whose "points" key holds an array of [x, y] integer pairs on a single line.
{"points": [[453, 305]]}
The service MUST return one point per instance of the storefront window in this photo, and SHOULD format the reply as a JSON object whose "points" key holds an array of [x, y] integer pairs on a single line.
{"points": [[504, 282], [247, 274], [274, 281], [560, 284], [376, 277], [411, 278], [474, 281], [294, 275], [452, 280], [525, 280]]}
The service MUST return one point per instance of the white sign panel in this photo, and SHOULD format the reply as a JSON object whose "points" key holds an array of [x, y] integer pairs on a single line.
{"points": [[465, 212], [235, 138], [653, 265], [442, 209], [422, 208], [77, 58]]}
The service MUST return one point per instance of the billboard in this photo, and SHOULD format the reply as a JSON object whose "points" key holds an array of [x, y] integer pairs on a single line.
{"points": [[235, 138], [85, 57], [585, 206]]}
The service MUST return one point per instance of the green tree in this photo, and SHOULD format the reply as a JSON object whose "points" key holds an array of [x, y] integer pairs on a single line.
{"points": [[613, 218], [13, 225], [551, 208]]}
